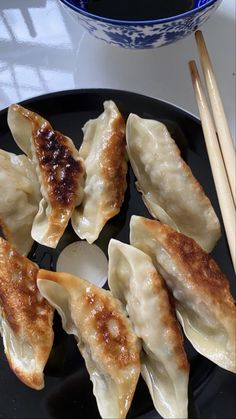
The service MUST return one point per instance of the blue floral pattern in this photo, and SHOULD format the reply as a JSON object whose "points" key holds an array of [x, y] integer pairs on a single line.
{"points": [[148, 35]]}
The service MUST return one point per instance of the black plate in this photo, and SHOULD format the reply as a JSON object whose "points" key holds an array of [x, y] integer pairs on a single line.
{"points": [[68, 391]]}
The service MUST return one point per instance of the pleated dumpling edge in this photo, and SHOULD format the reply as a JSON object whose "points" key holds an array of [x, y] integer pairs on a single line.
{"points": [[105, 338], [204, 304], [169, 189]]}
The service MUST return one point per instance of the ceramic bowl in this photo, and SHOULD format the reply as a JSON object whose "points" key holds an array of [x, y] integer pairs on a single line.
{"points": [[142, 34]]}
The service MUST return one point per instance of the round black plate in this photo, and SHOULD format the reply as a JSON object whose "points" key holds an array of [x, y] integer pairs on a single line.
{"points": [[68, 391]]}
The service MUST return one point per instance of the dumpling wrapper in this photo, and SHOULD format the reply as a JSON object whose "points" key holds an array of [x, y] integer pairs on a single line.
{"points": [[25, 317], [169, 189], [204, 304], [59, 168], [135, 282], [104, 334], [104, 153], [20, 196]]}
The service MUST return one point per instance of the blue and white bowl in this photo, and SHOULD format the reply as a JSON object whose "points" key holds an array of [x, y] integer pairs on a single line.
{"points": [[143, 34]]}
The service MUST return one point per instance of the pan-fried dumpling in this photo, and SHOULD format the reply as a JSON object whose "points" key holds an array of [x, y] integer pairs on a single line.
{"points": [[104, 153], [164, 366], [59, 168], [104, 334], [20, 196], [169, 189], [204, 304], [25, 317]]}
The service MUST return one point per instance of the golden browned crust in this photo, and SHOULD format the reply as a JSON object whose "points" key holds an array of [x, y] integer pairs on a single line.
{"points": [[31, 379], [200, 269], [26, 312], [114, 166], [94, 309], [116, 345], [168, 319], [60, 170], [19, 297], [105, 332]]}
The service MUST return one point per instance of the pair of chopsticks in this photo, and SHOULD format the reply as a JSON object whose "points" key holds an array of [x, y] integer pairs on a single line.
{"points": [[218, 141]]}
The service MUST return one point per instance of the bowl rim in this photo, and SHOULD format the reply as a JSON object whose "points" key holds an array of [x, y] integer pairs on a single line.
{"points": [[137, 22]]}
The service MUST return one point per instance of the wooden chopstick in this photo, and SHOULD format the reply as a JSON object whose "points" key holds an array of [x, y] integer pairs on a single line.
{"points": [[223, 131], [217, 164]]}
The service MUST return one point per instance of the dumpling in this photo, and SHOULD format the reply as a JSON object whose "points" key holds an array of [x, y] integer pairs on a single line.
{"points": [[135, 282], [169, 189], [105, 338], [20, 196], [59, 168], [25, 317], [104, 153], [204, 304]]}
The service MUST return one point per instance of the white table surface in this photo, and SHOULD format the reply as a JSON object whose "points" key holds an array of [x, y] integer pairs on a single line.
{"points": [[43, 50]]}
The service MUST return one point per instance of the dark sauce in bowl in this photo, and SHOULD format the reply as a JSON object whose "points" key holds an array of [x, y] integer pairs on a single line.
{"points": [[135, 9]]}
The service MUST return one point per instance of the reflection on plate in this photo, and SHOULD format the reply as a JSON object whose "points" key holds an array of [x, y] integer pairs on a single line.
{"points": [[84, 260], [68, 391]]}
